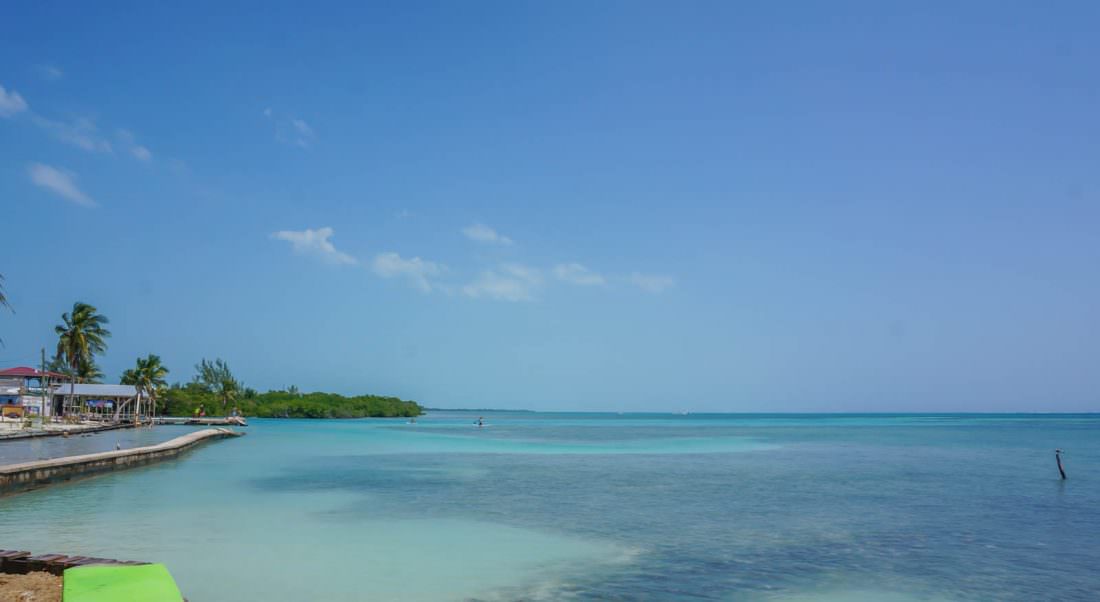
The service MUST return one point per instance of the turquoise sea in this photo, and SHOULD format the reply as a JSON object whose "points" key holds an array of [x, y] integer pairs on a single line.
{"points": [[554, 506]]}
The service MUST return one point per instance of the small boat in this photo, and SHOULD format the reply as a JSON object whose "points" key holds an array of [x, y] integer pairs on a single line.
{"points": [[117, 583]]}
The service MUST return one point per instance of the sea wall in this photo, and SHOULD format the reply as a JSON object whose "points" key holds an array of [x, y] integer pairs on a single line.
{"points": [[30, 475], [58, 432]]}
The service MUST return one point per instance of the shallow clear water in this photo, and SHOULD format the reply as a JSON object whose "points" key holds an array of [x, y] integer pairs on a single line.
{"points": [[592, 506]]}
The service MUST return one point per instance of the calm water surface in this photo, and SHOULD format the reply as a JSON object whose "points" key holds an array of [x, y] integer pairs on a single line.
{"points": [[598, 507]]}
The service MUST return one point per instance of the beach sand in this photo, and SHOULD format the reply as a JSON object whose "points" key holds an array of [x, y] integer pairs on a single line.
{"points": [[32, 587]]}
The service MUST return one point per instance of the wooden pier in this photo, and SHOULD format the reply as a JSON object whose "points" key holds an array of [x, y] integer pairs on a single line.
{"points": [[221, 421], [31, 475], [21, 562]]}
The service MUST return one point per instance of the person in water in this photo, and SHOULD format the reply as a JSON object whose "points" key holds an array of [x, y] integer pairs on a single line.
{"points": [[480, 421]]}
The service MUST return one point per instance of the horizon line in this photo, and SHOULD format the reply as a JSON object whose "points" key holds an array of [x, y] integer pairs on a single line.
{"points": [[758, 413]]}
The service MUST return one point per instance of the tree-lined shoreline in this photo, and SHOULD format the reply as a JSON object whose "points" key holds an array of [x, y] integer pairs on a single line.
{"points": [[82, 336], [216, 389], [182, 399]]}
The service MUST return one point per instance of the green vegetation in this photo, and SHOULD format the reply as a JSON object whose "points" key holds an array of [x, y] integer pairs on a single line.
{"points": [[148, 377], [214, 385], [80, 337], [219, 380], [182, 399]]}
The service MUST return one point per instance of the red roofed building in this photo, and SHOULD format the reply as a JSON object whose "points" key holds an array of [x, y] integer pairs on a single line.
{"points": [[26, 372], [25, 391]]}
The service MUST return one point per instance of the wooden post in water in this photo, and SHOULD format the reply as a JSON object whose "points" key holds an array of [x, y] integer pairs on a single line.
{"points": [[1058, 459]]}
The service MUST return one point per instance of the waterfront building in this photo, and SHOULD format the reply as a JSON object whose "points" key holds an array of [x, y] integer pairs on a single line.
{"points": [[26, 391]]}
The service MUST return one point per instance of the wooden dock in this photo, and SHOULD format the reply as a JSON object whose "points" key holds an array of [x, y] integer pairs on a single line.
{"points": [[220, 421], [20, 562], [31, 475]]}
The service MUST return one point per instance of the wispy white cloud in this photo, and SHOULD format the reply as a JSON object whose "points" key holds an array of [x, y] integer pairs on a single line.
{"points": [[510, 282], [129, 141], [303, 134], [419, 271], [575, 273], [141, 153], [291, 130], [59, 182], [50, 73], [652, 283], [485, 234], [11, 103], [302, 127], [80, 132], [316, 243]]}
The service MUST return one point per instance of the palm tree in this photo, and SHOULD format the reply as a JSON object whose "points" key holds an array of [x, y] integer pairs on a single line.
{"points": [[89, 372], [218, 379], [86, 373], [81, 336], [148, 377], [4, 300]]}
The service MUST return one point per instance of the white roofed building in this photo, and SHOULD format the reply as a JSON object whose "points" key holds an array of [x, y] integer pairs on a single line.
{"points": [[85, 399]]}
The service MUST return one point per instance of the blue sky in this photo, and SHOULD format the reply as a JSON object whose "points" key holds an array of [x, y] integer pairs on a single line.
{"points": [[567, 205]]}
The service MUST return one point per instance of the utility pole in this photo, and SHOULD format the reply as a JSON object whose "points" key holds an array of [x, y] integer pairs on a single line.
{"points": [[44, 384]]}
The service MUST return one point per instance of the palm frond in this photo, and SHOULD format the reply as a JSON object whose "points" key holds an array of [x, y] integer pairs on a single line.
{"points": [[3, 297], [80, 337]]}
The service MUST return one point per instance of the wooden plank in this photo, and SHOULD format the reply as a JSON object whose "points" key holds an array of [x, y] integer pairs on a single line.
{"points": [[56, 565], [17, 566], [20, 562], [7, 556], [41, 562]]}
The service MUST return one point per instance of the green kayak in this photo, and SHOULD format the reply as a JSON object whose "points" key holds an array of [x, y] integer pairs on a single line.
{"points": [[120, 583]]}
